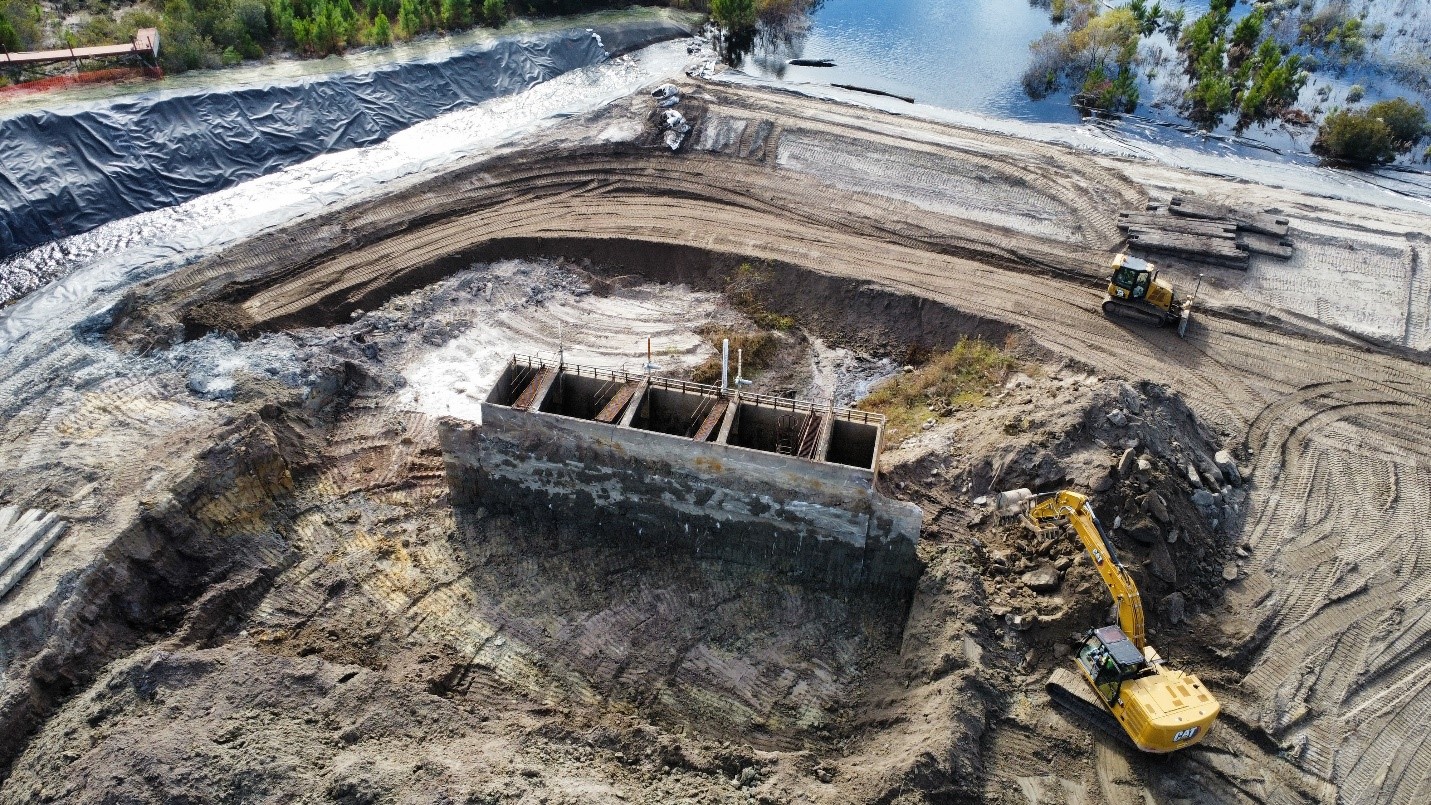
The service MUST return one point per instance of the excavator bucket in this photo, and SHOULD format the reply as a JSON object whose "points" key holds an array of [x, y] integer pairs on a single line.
{"points": [[1012, 502]]}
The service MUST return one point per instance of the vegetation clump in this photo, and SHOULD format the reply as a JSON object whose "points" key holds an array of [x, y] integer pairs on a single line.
{"points": [[1243, 70], [213, 33], [744, 288], [955, 380], [1373, 136], [1097, 53], [757, 350]]}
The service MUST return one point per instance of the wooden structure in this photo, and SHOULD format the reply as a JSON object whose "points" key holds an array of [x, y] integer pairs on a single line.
{"points": [[1201, 231], [145, 45]]}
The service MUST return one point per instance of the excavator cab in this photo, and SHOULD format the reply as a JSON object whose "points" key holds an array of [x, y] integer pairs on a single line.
{"points": [[1109, 659]]}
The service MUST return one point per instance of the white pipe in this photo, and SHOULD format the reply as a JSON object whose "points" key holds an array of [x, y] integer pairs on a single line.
{"points": [[725, 365]]}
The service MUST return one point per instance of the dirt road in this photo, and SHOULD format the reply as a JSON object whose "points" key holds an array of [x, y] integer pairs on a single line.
{"points": [[892, 232]]}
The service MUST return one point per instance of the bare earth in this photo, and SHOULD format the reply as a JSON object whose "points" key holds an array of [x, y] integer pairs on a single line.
{"points": [[264, 596]]}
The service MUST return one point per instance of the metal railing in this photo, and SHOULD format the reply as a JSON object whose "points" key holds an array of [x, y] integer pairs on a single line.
{"points": [[674, 384]]}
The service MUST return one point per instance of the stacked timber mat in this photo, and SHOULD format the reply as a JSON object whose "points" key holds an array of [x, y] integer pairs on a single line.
{"points": [[1205, 232], [25, 536]]}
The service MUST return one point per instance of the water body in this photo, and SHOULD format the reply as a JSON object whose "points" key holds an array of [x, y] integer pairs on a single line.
{"points": [[970, 56], [958, 54]]}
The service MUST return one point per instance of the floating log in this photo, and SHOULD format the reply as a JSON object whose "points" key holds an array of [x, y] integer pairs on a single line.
{"points": [[854, 88]]}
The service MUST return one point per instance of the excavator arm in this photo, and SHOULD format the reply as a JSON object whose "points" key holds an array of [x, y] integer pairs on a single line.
{"points": [[1054, 509]]}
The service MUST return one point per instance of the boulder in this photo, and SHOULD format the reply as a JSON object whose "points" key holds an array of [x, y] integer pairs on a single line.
{"points": [[1204, 499], [1117, 418], [1143, 530], [1126, 463], [1228, 466], [1193, 476], [1158, 507], [1229, 571], [1131, 399], [1103, 484], [1175, 608], [1042, 579]]}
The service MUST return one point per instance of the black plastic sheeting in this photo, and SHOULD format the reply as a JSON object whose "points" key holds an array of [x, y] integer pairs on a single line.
{"points": [[66, 174]]}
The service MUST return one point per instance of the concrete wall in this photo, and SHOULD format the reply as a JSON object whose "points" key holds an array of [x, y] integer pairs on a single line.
{"points": [[817, 522]]}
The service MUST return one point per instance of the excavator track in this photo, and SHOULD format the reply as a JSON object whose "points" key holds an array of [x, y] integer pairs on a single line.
{"points": [[1070, 691]]}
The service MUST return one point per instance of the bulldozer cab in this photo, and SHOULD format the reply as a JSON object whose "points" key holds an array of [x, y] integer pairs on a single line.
{"points": [[1132, 275]]}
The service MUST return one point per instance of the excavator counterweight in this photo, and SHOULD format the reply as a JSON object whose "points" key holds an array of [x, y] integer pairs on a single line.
{"points": [[1158, 709]]}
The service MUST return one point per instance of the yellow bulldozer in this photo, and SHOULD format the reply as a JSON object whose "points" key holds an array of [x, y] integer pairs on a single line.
{"points": [[1126, 686], [1135, 292]]}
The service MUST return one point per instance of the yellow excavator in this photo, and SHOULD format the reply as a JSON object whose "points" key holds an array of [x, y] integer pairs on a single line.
{"points": [[1157, 708], [1135, 292]]}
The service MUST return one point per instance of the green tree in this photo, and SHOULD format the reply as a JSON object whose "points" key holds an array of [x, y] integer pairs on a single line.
{"points": [[1355, 138], [382, 33], [733, 15], [456, 14], [494, 12], [9, 37], [409, 21], [1405, 120], [1249, 30]]}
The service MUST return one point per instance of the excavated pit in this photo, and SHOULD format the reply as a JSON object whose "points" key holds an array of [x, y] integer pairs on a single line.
{"points": [[355, 636]]}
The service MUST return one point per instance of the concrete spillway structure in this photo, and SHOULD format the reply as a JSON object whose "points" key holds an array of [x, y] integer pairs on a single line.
{"points": [[762, 481]]}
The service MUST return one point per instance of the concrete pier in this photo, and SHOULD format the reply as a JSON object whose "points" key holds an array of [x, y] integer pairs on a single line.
{"points": [[764, 481]]}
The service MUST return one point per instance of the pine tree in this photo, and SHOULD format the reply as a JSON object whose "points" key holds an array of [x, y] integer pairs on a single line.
{"points": [[382, 31]]}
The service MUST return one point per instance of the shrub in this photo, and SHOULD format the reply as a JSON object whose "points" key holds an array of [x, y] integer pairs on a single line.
{"points": [[9, 37], [1355, 93], [1406, 120], [1354, 137], [733, 15], [20, 27]]}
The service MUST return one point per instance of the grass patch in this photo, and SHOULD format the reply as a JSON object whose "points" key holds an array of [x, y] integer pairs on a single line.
{"points": [[956, 380], [743, 289], [760, 348]]}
